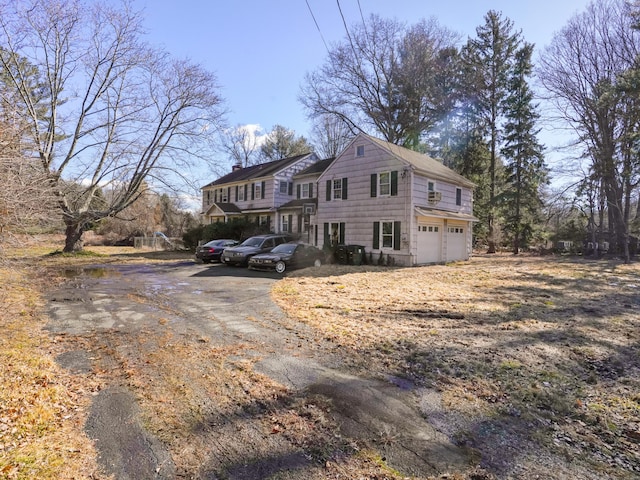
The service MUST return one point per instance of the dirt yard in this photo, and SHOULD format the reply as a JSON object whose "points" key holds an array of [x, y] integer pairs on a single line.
{"points": [[535, 361], [530, 364]]}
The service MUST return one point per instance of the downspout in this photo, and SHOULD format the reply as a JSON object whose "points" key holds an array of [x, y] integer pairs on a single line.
{"points": [[409, 212]]}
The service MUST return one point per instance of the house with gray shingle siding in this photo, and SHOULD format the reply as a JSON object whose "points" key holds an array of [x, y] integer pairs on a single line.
{"points": [[392, 201], [397, 202], [257, 192]]}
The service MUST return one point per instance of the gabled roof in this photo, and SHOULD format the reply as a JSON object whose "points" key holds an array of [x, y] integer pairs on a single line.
{"points": [[317, 168], [225, 208], [298, 203], [257, 171], [424, 164]]}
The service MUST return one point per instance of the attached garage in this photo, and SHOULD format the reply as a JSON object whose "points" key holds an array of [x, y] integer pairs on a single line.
{"points": [[442, 236], [456, 241], [429, 242]]}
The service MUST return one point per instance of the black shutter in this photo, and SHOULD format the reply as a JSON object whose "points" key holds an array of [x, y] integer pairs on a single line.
{"points": [[374, 184], [300, 223], [290, 188], [344, 188], [262, 190], [396, 235], [246, 191], [236, 193], [315, 238], [376, 235], [298, 191], [311, 190], [327, 239], [290, 224], [342, 228], [253, 191], [328, 190], [394, 183], [269, 222]]}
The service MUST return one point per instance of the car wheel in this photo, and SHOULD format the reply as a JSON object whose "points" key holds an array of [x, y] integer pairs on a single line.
{"points": [[281, 267], [317, 262], [206, 261]]}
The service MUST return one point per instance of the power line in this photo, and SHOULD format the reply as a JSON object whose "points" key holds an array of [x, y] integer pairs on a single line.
{"points": [[361, 16], [364, 24], [344, 22], [317, 26]]}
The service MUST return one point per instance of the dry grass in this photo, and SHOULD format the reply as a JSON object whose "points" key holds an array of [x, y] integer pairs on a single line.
{"points": [[523, 346], [41, 406], [527, 356]]}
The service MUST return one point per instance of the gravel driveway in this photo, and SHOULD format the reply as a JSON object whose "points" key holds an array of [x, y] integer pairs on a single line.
{"points": [[114, 317]]}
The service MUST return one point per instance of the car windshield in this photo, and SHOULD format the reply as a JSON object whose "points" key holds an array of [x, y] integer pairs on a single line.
{"points": [[214, 243], [284, 248], [253, 242]]}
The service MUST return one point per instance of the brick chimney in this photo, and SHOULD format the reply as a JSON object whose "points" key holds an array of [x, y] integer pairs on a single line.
{"points": [[237, 166]]}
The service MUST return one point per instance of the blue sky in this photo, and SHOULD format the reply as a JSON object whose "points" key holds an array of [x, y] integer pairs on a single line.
{"points": [[261, 49]]}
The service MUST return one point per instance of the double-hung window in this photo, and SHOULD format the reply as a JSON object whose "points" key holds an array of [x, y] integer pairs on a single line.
{"points": [[284, 187], [240, 193], [258, 190], [337, 188], [387, 234], [384, 180]]}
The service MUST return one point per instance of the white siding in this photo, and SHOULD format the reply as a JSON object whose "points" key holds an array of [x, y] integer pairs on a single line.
{"points": [[448, 191], [359, 211]]}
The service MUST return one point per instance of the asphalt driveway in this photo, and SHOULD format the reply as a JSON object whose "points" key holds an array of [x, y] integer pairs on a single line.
{"points": [[225, 305]]}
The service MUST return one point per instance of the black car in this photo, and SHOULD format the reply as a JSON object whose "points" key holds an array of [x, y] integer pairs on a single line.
{"points": [[287, 256], [241, 254], [212, 251]]}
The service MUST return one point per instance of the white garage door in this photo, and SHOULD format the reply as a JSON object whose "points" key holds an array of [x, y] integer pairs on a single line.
{"points": [[429, 242], [456, 242]]}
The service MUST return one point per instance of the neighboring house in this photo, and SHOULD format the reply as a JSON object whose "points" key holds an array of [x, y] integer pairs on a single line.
{"points": [[301, 211], [397, 202], [257, 192]]}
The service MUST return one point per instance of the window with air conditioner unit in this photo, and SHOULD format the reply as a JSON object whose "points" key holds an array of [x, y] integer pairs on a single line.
{"points": [[434, 196]]}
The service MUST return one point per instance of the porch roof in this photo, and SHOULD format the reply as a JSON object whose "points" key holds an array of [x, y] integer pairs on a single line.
{"points": [[433, 213]]}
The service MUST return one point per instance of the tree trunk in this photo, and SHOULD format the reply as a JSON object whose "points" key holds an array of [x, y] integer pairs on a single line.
{"points": [[73, 232]]}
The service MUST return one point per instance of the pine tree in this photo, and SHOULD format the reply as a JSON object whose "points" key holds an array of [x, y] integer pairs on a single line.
{"points": [[487, 62], [525, 169]]}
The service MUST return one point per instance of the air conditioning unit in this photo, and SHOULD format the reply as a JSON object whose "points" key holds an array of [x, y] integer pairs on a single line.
{"points": [[434, 197], [309, 209]]}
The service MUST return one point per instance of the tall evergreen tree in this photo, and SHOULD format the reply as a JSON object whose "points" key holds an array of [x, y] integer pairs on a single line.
{"points": [[525, 169], [282, 143], [487, 62]]}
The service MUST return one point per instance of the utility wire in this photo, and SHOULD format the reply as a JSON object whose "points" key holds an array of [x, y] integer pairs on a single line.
{"points": [[364, 24], [317, 26], [344, 22]]}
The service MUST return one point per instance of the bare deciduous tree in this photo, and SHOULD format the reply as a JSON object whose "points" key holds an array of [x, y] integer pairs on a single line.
{"points": [[240, 144], [581, 69], [382, 78], [329, 136], [109, 111]]}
